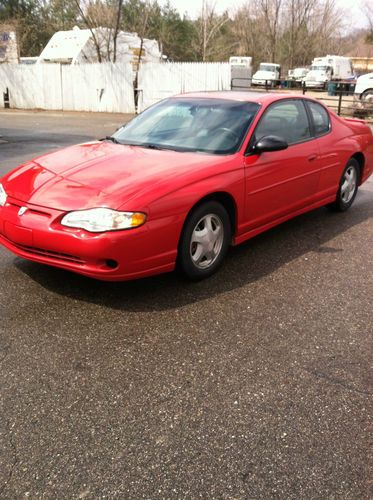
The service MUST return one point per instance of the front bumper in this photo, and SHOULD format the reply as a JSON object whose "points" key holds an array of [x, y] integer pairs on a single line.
{"points": [[314, 85], [261, 82], [113, 256]]}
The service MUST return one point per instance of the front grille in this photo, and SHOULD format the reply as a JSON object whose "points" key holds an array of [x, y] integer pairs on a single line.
{"points": [[49, 253]]}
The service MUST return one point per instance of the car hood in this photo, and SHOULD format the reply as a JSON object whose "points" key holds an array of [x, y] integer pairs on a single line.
{"points": [[363, 83], [264, 74], [100, 174]]}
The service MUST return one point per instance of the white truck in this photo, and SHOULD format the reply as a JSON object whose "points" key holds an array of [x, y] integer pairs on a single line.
{"points": [[363, 96], [324, 69], [267, 74], [364, 88], [297, 74]]}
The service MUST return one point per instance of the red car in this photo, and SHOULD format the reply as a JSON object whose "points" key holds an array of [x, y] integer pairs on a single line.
{"points": [[182, 182]]}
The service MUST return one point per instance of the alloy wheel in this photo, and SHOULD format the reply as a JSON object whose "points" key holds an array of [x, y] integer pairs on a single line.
{"points": [[349, 184], [206, 241]]}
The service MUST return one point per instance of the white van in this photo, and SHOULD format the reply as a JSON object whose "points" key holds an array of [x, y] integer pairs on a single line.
{"points": [[267, 72], [324, 69]]}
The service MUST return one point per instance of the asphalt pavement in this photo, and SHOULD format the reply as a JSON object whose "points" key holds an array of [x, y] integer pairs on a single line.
{"points": [[254, 384]]}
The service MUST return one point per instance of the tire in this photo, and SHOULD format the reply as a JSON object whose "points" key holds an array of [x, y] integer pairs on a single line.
{"points": [[200, 255], [348, 187], [367, 96]]}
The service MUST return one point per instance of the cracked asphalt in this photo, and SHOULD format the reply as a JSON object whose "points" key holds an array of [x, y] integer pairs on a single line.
{"points": [[254, 384]]}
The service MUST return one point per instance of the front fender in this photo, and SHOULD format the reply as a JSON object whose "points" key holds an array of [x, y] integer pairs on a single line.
{"points": [[168, 213]]}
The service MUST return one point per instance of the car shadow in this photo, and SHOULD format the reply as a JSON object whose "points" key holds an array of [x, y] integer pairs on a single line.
{"points": [[245, 264]]}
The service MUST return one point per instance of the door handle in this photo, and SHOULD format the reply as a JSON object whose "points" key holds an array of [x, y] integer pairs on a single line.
{"points": [[312, 157]]}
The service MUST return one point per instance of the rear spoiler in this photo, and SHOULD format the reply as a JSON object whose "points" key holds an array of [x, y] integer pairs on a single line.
{"points": [[355, 120]]}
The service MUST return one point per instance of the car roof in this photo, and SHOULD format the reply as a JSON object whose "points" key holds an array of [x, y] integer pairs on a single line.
{"points": [[246, 96]]}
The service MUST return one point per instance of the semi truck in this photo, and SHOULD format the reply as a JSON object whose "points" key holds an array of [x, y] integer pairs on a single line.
{"points": [[324, 69]]}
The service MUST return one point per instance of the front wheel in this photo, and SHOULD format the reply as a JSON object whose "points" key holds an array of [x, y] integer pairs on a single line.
{"points": [[367, 97], [204, 241], [348, 186]]}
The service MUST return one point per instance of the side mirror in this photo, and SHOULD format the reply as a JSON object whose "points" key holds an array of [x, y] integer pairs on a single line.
{"points": [[269, 143]]}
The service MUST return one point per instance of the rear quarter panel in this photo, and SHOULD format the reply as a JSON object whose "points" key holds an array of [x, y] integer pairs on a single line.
{"points": [[347, 137]]}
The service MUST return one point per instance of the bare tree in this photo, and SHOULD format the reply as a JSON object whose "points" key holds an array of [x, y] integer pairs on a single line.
{"points": [[88, 22], [142, 34], [325, 28], [368, 11], [295, 41], [116, 29], [249, 32], [102, 14], [271, 10], [208, 27]]}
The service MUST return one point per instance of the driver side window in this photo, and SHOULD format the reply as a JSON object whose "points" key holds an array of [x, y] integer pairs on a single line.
{"points": [[287, 120]]}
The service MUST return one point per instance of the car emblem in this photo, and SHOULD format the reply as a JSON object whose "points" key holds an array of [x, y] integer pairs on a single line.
{"points": [[22, 211]]}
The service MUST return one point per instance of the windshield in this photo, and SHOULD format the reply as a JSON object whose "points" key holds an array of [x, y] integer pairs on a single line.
{"points": [[320, 68], [267, 67], [205, 125]]}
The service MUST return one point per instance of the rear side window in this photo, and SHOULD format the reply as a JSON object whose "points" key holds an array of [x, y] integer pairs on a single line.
{"points": [[287, 119], [320, 117]]}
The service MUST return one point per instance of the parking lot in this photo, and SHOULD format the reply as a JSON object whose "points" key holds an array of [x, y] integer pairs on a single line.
{"points": [[254, 384]]}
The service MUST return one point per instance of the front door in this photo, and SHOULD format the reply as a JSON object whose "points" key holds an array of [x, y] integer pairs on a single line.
{"points": [[280, 182]]}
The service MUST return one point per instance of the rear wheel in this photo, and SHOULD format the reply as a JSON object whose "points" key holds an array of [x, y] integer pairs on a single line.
{"points": [[348, 186], [205, 240]]}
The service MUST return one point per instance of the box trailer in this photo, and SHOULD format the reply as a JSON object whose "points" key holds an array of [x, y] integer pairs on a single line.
{"points": [[241, 72], [324, 69]]}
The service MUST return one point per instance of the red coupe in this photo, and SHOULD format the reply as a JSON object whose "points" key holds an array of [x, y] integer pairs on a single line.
{"points": [[181, 182]]}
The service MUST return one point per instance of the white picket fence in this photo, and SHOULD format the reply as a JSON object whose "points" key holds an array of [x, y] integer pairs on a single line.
{"points": [[107, 86], [87, 87], [160, 80]]}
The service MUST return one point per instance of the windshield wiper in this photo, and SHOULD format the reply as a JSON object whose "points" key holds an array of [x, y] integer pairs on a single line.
{"points": [[139, 145], [163, 148], [152, 146], [111, 138], [148, 145]]}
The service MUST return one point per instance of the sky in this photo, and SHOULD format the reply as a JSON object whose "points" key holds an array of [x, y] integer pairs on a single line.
{"points": [[354, 15]]}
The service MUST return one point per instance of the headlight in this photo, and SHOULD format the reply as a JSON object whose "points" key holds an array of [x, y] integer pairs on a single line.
{"points": [[98, 220], [2, 196]]}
